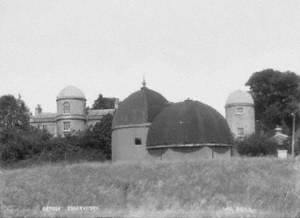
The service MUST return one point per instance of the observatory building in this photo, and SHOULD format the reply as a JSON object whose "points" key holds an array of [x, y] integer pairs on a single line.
{"points": [[71, 115], [147, 127], [240, 114]]}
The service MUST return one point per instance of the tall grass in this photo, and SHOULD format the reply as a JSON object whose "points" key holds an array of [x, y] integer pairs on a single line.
{"points": [[261, 184]]}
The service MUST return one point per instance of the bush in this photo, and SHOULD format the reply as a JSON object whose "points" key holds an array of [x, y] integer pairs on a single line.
{"points": [[256, 145], [17, 144], [69, 149]]}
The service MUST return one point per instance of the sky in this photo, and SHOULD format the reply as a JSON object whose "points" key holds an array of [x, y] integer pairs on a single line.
{"points": [[197, 49]]}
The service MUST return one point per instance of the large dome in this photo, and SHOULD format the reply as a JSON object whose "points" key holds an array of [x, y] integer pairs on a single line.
{"points": [[71, 92], [239, 97], [188, 122], [140, 107]]}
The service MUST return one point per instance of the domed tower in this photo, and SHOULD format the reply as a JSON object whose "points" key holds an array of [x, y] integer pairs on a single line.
{"points": [[240, 113], [71, 114], [131, 123], [189, 130]]}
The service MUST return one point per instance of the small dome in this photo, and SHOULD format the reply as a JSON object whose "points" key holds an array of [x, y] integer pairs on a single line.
{"points": [[71, 92], [140, 107], [239, 97], [188, 122]]}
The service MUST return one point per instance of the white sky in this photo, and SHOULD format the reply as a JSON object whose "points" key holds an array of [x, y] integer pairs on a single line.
{"points": [[201, 50]]}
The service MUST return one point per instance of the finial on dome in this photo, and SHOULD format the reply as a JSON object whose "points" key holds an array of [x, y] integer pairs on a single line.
{"points": [[144, 82]]}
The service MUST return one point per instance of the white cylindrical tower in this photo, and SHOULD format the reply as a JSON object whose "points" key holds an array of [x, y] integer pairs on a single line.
{"points": [[71, 114], [240, 114]]}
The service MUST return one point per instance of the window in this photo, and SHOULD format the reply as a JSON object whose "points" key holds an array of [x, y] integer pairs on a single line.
{"points": [[239, 110], [240, 132], [67, 126], [138, 141], [66, 107], [44, 126]]}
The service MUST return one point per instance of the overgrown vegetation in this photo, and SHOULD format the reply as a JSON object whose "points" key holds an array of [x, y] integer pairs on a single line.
{"points": [[257, 145], [18, 144], [21, 144], [255, 184], [34, 146]]}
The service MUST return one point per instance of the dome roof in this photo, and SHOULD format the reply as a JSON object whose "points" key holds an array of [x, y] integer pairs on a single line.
{"points": [[140, 107], [188, 122], [70, 92], [239, 97]]}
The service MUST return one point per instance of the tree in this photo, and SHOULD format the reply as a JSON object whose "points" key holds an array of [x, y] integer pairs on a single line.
{"points": [[13, 113], [98, 137], [103, 130], [276, 95], [104, 103], [18, 140]]}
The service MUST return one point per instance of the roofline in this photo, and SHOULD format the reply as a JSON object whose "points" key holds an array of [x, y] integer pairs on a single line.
{"points": [[131, 126], [238, 104], [109, 109], [71, 117], [42, 121], [188, 145], [70, 98]]}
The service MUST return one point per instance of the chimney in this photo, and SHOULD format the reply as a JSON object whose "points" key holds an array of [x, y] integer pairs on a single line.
{"points": [[38, 110]]}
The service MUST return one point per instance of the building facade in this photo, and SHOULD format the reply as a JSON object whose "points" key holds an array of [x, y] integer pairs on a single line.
{"points": [[71, 115]]}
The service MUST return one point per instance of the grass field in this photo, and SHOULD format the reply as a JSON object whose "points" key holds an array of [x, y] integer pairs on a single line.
{"points": [[250, 187]]}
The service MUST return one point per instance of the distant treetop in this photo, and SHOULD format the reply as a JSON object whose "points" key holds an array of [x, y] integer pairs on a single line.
{"points": [[13, 113], [104, 103]]}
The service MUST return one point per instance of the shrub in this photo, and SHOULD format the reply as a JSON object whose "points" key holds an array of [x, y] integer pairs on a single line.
{"points": [[17, 144], [256, 145], [69, 149]]}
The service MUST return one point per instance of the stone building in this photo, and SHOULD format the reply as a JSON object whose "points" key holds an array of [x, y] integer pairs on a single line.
{"points": [[240, 114], [147, 127], [71, 115]]}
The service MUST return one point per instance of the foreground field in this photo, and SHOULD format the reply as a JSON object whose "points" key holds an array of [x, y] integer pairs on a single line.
{"points": [[252, 187]]}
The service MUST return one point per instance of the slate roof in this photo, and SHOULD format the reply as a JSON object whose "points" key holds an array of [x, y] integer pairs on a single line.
{"points": [[98, 114], [188, 122], [44, 117]]}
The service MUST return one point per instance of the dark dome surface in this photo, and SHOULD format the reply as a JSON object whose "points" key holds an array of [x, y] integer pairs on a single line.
{"points": [[140, 107], [188, 122]]}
